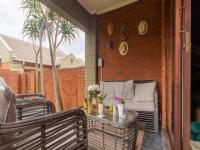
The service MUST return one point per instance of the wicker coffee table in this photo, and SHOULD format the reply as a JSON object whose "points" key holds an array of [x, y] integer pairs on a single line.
{"points": [[112, 133]]}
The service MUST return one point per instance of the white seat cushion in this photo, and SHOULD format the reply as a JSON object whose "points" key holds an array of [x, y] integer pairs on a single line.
{"points": [[140, 106]]}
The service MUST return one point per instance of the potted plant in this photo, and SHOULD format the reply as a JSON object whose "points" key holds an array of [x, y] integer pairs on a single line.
{"points": [[101, 98], [121, 105], [93, 91]]}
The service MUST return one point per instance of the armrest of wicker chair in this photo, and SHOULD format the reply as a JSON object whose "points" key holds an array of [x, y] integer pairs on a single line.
{"points": [[63, 130], [28, 96], [33, 108]]}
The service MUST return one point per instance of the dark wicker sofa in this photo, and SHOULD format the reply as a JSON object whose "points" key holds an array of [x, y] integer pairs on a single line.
{"points": [[63, 130]]}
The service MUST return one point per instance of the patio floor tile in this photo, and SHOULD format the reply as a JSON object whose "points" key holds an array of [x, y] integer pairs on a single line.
{"points": [[152, 141]]}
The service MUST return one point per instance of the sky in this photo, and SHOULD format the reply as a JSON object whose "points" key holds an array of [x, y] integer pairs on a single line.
{"points": [[11, 24]]}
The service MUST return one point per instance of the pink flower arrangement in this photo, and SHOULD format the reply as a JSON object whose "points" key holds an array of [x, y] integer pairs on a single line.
{"points": [[119, 100]]}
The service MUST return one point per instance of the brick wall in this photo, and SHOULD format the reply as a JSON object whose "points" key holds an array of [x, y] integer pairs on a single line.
{"points": [[144, 59], [71, 83], [4, 65], [19, 82]]}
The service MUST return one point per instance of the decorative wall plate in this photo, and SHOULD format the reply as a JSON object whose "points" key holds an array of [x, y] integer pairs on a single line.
{"points": [[109, 45], [124, 32], [110, 29], [123, 48], [143, 27]]}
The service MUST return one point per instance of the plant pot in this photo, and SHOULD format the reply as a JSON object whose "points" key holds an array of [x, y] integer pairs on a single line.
{"points": [[100, 108], [121, 110]]}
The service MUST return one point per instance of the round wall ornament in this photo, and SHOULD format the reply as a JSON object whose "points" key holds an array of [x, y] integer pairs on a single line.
{"points": [[142, 27], [123, 48], [124, 32], [109, 45], [110, 29]]}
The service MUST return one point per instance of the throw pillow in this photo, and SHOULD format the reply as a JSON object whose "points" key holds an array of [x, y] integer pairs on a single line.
{"points": [[129, 90], [145, 91]]}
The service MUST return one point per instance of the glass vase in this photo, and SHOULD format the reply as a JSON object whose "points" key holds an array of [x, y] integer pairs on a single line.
{"points": [[100, 108], [121, 110], [96, 103], [89, 108]]}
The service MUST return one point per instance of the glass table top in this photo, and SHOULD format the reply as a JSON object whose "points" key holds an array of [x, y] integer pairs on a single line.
{"points": [[115, 121]]}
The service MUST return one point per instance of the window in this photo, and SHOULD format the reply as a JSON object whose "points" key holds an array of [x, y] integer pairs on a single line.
{"points": [[72, 61]]}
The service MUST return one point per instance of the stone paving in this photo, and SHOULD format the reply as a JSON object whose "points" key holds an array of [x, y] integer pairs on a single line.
{"points": [[156, 141]]}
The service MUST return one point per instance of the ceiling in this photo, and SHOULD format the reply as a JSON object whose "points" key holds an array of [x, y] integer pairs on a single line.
{"points": [[102, 6]]}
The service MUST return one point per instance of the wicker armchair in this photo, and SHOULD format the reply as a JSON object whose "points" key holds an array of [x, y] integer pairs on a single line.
{"points": [[38, 127], [65, 130], [29, 108]]}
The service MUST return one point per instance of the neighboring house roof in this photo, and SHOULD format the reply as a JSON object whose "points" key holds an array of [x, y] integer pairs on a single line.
{"points": [[70, 61], [24, 51]]}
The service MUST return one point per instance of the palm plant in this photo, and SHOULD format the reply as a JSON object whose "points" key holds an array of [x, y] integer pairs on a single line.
{"points": [[31, 7], [58, 31], [34, 29], [30, 30]]}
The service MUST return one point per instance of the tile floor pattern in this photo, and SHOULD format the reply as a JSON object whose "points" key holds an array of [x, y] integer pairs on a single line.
{"points": [[152, 141]]}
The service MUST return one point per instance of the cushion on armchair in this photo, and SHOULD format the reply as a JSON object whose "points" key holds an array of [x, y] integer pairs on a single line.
{"points": [[145, 92], [125, 89], [139, 96], [7, 108], [108, 88], [119, 89], [129, 90], [7, 103], [140, 106]]}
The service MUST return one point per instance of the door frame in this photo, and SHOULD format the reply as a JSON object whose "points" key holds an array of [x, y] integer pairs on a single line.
{"points": [[177, 79], [186, 75], [182, 87]]}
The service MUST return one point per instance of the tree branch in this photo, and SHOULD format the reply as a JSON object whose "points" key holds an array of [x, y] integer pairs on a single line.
{"points": [[61, 40]]}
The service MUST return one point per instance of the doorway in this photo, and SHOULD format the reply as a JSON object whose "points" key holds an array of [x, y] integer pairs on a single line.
{"points": [[195, 62]]}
